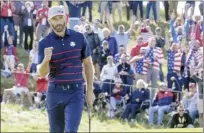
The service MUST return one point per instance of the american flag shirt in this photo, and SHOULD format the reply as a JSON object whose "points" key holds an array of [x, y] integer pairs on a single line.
{"points": [[190, 61], [155, 53], [174, 61], [117, 58], [142, 66], [198, 58]]}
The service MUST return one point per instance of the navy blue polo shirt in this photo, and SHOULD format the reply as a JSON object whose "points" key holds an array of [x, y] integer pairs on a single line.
{"points": [[66, 61]]}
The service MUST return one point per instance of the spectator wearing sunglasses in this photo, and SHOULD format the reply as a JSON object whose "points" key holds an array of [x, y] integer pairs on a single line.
{"points": [[181, 119], [94, 43]]}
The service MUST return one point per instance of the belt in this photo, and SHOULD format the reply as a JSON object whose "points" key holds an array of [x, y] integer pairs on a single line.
{"points": [[67, 86]]}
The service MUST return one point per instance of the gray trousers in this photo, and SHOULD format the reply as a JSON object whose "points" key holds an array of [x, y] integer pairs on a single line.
{"points": [[153, 76], [42, 31], [118, 6], [104, 12]]}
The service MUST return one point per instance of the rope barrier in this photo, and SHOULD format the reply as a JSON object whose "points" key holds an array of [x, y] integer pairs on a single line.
{"points": [[132, 86]]}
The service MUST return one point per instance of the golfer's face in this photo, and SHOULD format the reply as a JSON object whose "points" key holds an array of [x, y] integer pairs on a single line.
{"points": [[58, 23]]}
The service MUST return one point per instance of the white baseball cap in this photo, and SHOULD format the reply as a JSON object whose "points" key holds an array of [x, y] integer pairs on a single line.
{"points": [[56, 10]]}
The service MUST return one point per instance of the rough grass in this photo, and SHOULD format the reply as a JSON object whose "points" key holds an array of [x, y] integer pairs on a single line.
{"points": [[17, 119]]}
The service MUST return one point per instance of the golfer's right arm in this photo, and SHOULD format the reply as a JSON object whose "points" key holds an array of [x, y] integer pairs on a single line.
{"points": [[43, 67]]}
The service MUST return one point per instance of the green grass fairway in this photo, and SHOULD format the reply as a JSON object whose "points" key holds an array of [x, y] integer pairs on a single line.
{"points": [[16, 119]]}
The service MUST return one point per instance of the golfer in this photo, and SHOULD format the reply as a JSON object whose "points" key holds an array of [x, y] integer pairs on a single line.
{"points": [[61, 54]]}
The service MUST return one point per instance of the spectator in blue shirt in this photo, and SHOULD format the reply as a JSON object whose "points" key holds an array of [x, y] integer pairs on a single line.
{"points": [[113, 46], [136, 98], [61, 54]]}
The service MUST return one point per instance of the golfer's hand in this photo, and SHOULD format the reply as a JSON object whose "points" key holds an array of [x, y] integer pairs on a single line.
{"points": [[90, 97], [48, 54]]}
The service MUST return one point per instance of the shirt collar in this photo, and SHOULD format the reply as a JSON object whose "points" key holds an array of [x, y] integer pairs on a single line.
{"points": [[67, 33]]}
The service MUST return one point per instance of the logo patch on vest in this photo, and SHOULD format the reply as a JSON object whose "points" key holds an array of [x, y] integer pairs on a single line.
{"points": [[72, 44]]}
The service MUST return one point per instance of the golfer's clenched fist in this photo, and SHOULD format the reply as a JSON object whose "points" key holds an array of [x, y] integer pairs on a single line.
{"points": [[48, 53]]}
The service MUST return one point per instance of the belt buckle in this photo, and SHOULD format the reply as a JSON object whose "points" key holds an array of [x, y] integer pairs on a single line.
{"points": [[64, 87]]}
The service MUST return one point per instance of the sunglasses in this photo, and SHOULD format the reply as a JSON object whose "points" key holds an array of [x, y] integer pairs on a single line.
{"points": [[181, 110]]}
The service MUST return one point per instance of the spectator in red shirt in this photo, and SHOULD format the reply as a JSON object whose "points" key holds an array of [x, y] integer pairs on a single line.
{"points": [[136, 50], [40, 90], [41, 84], [6, 16], [9, 55], [20, 88], [41, 19]]}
